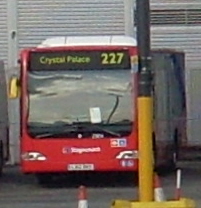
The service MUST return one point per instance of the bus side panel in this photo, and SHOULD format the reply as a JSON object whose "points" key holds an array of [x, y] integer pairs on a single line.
{"points": [[178, 97], [4, 138], [161, 108], [169, 101]]}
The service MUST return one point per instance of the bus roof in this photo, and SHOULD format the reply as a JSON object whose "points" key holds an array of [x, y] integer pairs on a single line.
{"points": [[106, 40]]}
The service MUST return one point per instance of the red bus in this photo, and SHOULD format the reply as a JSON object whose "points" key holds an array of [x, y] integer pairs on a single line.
{"points": [[78, 106]]}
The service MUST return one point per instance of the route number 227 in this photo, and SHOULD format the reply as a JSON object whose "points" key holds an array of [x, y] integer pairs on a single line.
{"points": [[112, 58]]}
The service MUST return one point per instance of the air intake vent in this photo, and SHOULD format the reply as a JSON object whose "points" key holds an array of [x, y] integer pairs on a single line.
{"points": [[176, 17]]}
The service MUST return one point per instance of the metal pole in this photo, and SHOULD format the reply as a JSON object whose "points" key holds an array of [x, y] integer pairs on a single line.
{"points": [[145, 102]]}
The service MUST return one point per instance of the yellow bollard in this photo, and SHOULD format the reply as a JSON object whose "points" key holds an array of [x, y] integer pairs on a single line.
{"points": [[145, 130], [182, 203]]}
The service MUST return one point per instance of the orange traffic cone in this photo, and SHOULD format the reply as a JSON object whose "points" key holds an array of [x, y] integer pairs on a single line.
{"points": [[158, 190], [82, 197]]}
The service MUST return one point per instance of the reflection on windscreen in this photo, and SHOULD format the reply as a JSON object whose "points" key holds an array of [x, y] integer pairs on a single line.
{"points": [[60, 99]]}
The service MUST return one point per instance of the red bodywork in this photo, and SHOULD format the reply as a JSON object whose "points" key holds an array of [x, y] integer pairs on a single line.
{"points": [[57, 150]]}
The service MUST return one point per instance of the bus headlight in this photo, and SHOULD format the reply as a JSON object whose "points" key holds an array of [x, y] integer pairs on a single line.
{"points": [[127, 154], [33, 156]]}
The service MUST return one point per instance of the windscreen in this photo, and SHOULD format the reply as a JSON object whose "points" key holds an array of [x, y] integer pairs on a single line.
{"points": [[79, 102]]}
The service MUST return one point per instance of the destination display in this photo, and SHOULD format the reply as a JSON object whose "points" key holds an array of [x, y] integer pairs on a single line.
{"points": [[80, 60]]}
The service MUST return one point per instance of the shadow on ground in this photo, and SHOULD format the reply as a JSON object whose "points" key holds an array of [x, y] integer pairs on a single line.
{"points": [[95, 180], [12, 175]]}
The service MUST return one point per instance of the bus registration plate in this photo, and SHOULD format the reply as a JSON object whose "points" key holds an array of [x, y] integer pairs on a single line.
{"points": [[78, 167]]}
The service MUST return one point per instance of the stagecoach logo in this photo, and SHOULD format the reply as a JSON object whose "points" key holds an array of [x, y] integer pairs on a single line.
{"points": [[80, 150]]}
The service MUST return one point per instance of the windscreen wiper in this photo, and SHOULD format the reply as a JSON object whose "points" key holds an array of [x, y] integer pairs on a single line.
{"points": [[112, 133], [95, 127], [53, 134], [58, 131], [74, 128]]}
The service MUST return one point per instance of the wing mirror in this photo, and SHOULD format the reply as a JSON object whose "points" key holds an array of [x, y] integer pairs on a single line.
{"points": [[14, 88]]}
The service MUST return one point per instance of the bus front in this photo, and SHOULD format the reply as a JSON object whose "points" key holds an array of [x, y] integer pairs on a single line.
{"points": [[78, 110]]}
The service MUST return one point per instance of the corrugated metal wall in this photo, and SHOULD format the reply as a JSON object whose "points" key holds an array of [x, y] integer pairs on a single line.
{"points": [[174, 4], [3, 30], [177, 24], [186, 38], [39, 19]]}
